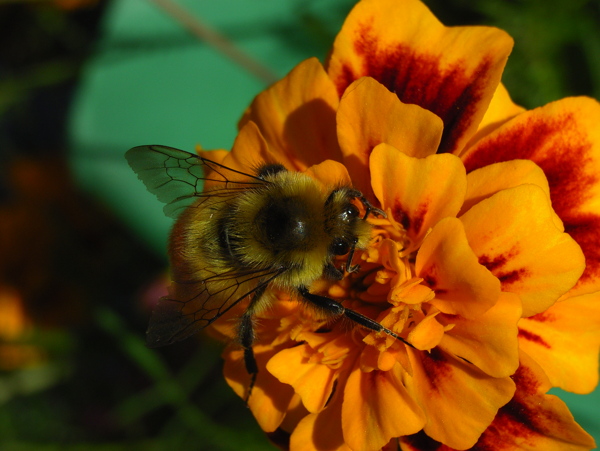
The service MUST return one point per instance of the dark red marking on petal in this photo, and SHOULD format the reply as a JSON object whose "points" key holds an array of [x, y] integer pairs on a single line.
{"points": [[419, 217], [565, 167], [543, 317], [526, 380], [512, 276], [585, 229], [534, 338], [401, 216], [418, 78], [516, 419], [436, 367], [492, 263], [422, 442], [431, 281]]}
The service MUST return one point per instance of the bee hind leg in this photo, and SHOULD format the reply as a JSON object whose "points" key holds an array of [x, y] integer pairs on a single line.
{"points": [[246, 337]]}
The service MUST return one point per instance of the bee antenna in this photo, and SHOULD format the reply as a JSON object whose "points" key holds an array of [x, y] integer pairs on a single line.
{"points": [[369, 208]]}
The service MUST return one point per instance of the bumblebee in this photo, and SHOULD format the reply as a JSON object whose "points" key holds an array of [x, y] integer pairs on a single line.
{"points": [[247, 236]]}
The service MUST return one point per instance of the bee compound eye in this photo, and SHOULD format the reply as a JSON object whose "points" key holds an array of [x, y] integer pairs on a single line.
{"points": [[349, 212], [339, 247]]}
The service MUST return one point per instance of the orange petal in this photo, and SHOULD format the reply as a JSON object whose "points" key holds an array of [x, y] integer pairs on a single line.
{"points": [[270, 398], [489, 342], [514, 236], [330, 174], [488, 180], [532, 420], [565, 340], [563, 138], [459, 401], [297, 115], [250, 151], [418, 192], [451, 71], [323, 430], [450, 268], [376, 408], [369, 115], [313, 381], [427, 334]]}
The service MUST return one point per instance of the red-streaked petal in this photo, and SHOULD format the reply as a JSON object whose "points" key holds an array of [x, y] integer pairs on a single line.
{"points": [[459, 401], [515, 237], [451, 71], [297, 115], [377, 408], [563, 138], [533, 420], [565, 340], [448, 266], [501, 109], [369, 115], [418, 192], [489, 342]]}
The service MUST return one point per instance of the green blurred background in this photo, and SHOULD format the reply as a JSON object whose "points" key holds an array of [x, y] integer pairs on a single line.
{"points": [[82, 244]]}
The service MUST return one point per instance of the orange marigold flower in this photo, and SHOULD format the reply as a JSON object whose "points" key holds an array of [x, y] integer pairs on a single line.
{"points": [[487, 262]]}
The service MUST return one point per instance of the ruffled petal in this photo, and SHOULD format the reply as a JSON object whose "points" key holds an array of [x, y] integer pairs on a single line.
{"points": [[533, 420], [450, 268], [311, 380], [488, 180], [565, 340], [270, 398], [563, 138], [490, 342], [376, 408], [514, 236], [369, 115], [418, 192], [459, 401], [451, 71], [297, 115]]}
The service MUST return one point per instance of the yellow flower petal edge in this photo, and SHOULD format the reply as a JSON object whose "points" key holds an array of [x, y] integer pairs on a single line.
{"points": [[451, 71], [514, 236]]}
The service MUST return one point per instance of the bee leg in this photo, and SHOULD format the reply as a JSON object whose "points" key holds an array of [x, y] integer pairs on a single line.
{"points": [[349, 268], [369, 208], [246, 337], [334, 308]]}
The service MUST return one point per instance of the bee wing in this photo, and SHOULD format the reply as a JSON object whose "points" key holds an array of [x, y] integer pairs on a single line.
{"points": [[176, 177], [193, 305]]}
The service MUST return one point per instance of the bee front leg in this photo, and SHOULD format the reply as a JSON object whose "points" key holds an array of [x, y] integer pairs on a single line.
{"points": [[334, 308]]}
